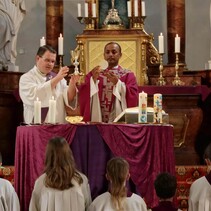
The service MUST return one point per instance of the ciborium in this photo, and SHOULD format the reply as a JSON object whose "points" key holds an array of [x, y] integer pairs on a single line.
{"points": [[75, 54]]}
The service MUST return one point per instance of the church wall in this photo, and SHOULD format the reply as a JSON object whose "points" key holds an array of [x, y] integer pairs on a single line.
{"points": [[198, 30]]}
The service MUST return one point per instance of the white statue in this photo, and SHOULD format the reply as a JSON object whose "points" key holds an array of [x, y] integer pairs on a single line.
{"points": [[11, 15]]}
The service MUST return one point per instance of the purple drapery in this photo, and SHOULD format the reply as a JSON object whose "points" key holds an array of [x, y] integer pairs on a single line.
{"points": [[148, 149]]}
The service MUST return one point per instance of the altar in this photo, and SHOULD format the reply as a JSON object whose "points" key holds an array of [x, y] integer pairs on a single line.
{"points": [[147, 147]]}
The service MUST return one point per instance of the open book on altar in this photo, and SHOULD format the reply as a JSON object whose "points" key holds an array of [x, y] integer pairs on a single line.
{"points": [[130, 115]]}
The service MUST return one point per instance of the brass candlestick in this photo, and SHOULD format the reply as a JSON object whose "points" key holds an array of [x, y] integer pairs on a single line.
{"points": [[177, 81], [90, 22], [161, 80], [137, 22]]}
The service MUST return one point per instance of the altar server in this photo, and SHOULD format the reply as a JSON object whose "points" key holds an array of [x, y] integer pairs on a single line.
{"points": [[107, 92], [165, 187], [62, 187], [118, 198], [200, 190], [42, 83], [8, 198]]}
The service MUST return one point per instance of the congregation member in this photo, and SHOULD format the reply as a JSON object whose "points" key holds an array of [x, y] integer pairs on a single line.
{"points": [[42, 83], [165, 186], [62, 186], [200, 190], [8, 198], [108, 92], [118, 198]]}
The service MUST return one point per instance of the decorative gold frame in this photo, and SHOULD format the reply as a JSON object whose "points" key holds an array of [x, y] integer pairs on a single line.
{"points": [[133, 52]]}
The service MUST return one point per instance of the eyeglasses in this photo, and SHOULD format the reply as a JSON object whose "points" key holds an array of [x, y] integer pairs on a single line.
{"points": [[48, 60]]}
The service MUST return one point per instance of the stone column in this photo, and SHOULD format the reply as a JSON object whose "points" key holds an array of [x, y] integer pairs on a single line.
{"points": [[54, 22], [176, 25]]}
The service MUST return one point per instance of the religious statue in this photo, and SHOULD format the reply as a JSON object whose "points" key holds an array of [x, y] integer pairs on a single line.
{"points": [[113, 18], [12, 13]]}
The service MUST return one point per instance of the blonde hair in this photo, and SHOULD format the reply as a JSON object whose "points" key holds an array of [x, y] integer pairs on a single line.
{"points": [[117, 173], [60, 165]]}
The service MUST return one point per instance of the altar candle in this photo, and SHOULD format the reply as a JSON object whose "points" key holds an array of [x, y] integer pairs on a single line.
{"points": [[142, 115], [136, 8], [177, 44], [94, 14], [52, 111], [161, 43], [129, 8], [157, 105], [79, 10], [37, 111], [143, 11], [60, 41], [42, 41], [86, 10]]}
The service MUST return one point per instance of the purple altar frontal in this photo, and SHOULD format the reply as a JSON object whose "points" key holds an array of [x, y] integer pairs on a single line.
{"points": [[148, 148]]}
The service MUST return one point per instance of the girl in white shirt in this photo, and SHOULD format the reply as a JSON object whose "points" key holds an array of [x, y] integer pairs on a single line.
{"points": [[61, 187], [118, 198]]}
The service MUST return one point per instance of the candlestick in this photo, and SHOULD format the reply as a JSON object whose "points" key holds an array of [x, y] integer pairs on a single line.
{"points": [[161, 80], [142, 115], [177, 81], [52, 111], [177, 44], [86, 10], [42, 41], [143, 10], [161, 43], [60, 41], [37, 111], [94, 14], [79, 10], [157, 101], [129, 13], [136, 8]]}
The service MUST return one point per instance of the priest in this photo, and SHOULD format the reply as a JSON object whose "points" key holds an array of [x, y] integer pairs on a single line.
{"points": [[107, 92]]}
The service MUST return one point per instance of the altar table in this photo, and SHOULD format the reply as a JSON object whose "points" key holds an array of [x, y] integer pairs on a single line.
{"points": [[147, 147]]}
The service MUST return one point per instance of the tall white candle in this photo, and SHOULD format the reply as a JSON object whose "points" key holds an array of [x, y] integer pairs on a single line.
{"points": [[94, 14], [60, 41], [143, 10], [142, 114], [37, 111], [129, 8], [161, 43], [42, 41], [52, 111], [79, 10], [177, 44], [86, 10], [136, 8]]}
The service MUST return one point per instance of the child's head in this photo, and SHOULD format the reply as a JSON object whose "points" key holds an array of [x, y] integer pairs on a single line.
{"points": [[165, 185], [117, 170], [58, 153], [60, 165]]}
